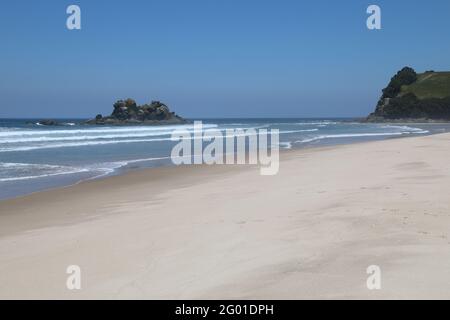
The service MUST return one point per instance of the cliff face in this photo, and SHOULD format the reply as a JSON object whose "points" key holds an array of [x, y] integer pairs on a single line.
{"points": [[414, 97], [127, 112]]}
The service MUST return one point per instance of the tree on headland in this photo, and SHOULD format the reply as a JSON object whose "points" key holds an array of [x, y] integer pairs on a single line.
{"points": [[406, 76]]}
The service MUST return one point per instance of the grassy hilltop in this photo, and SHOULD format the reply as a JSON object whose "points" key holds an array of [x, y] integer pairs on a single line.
{"points": [[429, 84], [412, 96]]}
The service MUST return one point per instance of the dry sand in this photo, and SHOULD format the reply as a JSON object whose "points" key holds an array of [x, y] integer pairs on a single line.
{"points": [[228, 232]]}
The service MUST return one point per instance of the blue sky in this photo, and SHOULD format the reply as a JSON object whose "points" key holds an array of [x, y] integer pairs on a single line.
{"points": [[233, 58]]}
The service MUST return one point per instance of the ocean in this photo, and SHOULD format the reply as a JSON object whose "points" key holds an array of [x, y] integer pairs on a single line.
{"points": [[35, 157]]}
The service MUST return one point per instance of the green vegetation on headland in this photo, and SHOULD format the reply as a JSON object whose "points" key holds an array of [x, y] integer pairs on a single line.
{"points": [[127, 112], [410, 96]]}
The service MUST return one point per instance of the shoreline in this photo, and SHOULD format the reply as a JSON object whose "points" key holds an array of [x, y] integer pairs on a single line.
{"points": [[123, 170], [195, 232]]}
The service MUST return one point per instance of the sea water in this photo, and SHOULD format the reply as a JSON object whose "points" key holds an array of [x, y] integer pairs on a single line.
{"points": [[35, 157]]}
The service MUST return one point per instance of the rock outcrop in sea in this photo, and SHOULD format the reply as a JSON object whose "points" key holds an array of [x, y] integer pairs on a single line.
{"points": [[127, 112]]}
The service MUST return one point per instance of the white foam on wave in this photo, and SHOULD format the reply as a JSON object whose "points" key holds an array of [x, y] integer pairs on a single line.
{"points": [[356, 135], [321, 123], [405, 128], [11, 171], [32, 132], [286, 145], [107, 168], [109, 142], [77, 144], [78, 138], [98, 137], [26, 171]]}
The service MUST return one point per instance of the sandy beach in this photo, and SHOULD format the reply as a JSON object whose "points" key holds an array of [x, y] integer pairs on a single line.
{"points": [[204, 232]]}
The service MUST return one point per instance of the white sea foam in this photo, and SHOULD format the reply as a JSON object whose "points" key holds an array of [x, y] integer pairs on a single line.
{"points": [[286, 145], [107, 168], [323, 123], [405, 128], [83, 137], [25, 171], [357, 135], [88, 141], [105, 136], [28, 132]]}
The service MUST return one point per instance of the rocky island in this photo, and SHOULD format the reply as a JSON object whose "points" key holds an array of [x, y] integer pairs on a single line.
{"points": [[414, 97], [127, 112]]}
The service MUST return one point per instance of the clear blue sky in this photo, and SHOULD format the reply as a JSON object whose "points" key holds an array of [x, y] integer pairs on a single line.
{"points": [[222, 58]]}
